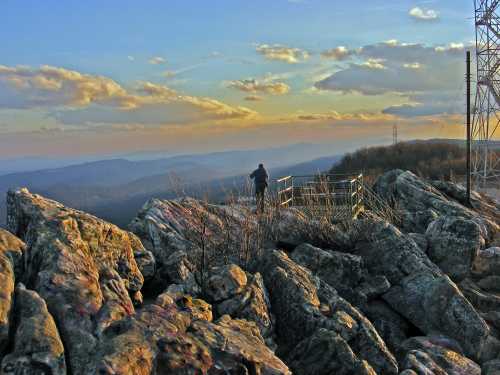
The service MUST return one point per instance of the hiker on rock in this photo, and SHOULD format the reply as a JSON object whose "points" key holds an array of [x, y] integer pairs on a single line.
{"points": [[260, 178]]}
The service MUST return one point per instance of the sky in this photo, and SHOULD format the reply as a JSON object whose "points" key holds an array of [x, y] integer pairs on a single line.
{"points": [[107, 77]]}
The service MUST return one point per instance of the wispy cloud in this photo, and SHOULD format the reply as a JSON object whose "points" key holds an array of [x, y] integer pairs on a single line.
{"points": [[253, 98], [130, 58], [282, 53], [422, 14], [157, 60]]}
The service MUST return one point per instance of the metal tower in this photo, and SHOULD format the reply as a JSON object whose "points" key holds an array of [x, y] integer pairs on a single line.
{"points": [[485, 125]]}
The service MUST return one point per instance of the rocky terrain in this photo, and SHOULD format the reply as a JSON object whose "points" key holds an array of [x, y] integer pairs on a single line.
{"points": [[194, 288]]}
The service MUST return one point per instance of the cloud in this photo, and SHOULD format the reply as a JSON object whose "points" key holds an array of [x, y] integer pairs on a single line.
{"points": [[169, 74], [338, 53], [24, 87], [415, 65], [336, 116], [376, 64], [253, 98], [282, 53], [74, 98], [131, 58], [263, 87], [421, 14], [157, 60], [416, 72], [392, 67]]}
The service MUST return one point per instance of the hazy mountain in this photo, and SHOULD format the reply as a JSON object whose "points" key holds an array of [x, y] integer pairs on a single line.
{"points": [[109, 183]]}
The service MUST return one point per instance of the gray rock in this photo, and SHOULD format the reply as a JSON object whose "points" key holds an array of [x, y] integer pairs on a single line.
{"points": [[253, 305], [169, 226], [175, 336], [178, 269], [7, 281], [11, 264], [225, 282], [422, 364], [325, 353], [421, 203], [14, 248], [483, 301], [70, 258], [393, 328], [444, 353], [420, 240], [38, 349], [487, 263], [453, 243], [420, 291], [302, 304], [491, 367], [344, 272]]}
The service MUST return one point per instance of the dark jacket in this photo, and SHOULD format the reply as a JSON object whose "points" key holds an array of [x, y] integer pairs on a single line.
{"points": [[260, 176]]}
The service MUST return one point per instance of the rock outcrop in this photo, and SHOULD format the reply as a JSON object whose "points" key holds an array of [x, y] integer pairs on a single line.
{"points": [[419, 291], [11, 253], [170, 336], [303, 304], [83, 267], [38, 349], [421, 203], [230, 292]]}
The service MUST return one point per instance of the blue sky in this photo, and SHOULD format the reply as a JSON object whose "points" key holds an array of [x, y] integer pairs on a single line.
{"points": [[114, 76]]}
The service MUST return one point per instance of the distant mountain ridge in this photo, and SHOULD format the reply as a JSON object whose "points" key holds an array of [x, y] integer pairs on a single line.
{"points": [[107, 185]]}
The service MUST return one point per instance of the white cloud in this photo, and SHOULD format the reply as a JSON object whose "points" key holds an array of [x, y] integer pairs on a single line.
{"points": [[415, 65], [78, 96], [421, 14], [338, 53], [374, 64], [264, 87], [157, 60], [426, 76], [130, 58], [282, 53]]}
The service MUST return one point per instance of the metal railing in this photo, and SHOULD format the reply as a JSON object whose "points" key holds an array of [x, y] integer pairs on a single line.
{"points": [[342, 194]]}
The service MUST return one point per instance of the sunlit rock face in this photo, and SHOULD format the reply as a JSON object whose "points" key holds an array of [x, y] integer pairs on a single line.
{"points": [[83, 267], [198, 288]]}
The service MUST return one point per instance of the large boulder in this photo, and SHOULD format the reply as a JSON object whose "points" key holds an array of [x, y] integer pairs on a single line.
{"points": [[325, 353], [187, 225], [419, 291], [83, 267], [11, 264], [392, 327], [421, 203], [225, 282], [453, 243], [7, 282], [173, 336], [37, 348], [13, 247], [303, 304], [252, 304], [344, 272]]}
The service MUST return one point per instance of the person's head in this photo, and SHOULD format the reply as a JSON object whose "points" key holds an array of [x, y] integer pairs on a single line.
{"points": [[261, 165]]}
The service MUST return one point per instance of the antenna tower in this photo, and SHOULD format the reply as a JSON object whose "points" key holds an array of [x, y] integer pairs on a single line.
{"points": [[485, 125]]}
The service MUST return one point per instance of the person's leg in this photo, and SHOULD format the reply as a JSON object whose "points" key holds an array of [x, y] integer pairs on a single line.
{"points": [[260, 198]]}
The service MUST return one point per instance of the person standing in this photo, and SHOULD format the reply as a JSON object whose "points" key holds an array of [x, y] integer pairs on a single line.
{"points": [[260, 178]]}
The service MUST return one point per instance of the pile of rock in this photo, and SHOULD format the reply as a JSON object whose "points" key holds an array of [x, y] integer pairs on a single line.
{"points": [[421, 298]]}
